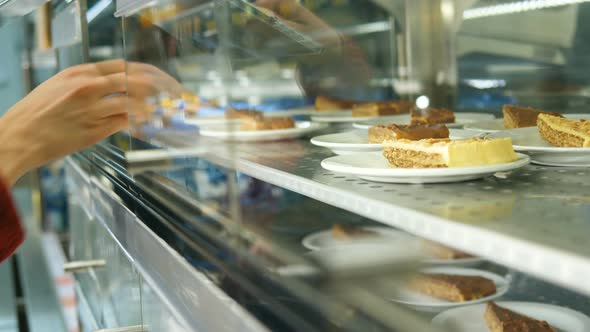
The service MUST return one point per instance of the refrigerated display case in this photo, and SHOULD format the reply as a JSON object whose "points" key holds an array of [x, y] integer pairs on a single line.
{"points": [[187, 222]]}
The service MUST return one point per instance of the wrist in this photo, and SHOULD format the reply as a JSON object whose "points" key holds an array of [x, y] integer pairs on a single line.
{"points": [[17, 156]]}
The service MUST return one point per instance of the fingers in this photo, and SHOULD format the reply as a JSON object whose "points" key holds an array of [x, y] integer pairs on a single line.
{"points": [[141, 86], [106, 128], [145, 80], [110, 84], [93, 70], [109, 67], [97, 80], [117, 105]]}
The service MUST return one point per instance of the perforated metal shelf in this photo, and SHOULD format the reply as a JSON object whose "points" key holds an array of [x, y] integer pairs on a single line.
{"points": [[536, 219]]}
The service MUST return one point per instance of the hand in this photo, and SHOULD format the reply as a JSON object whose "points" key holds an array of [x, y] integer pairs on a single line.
{"points": [[147, 80], [73, 110], [301, 19]]}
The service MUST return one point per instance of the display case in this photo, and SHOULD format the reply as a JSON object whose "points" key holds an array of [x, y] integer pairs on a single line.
{"points": [[244, 196]]}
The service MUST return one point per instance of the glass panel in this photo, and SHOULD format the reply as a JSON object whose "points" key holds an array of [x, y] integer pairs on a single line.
{"points": [[225, 97]]}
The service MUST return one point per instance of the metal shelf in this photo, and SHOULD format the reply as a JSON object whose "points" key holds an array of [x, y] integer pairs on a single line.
{"points": [[164, 270], [534, 220]]}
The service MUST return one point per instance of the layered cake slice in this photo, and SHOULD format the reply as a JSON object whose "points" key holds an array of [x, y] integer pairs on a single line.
{"points": [[521, 117], [268, 123], [443, 252], [378, 134], [454, 288], [380, 108], [325, 104], [564, 132], [232, 113], [192, 103], [500, 319], [432, 115], [433, 153]]}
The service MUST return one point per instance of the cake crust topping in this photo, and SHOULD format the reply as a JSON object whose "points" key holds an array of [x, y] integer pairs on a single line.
{"points": [[378, 134], [500, 319], [454, 288]]}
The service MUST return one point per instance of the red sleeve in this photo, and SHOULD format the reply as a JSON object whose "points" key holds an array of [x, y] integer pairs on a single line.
{"points": [[11, 231]]}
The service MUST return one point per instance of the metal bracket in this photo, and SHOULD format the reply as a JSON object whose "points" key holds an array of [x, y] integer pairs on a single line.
{"points": [[83, 266], [135, 328]]}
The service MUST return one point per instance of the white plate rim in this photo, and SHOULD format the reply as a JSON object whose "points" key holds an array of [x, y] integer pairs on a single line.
{"points": [[348, 119], [518, 147], [420, 172], [221, 119], [307, 240], [440, 319], [213, 132], [320, 140], [385, 231], [473, 126], [455, 261], [362, 124], [210, 120], [497, 279]]}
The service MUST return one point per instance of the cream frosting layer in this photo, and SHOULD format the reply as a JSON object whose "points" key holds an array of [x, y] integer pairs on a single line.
{"points": [[462, 153]]}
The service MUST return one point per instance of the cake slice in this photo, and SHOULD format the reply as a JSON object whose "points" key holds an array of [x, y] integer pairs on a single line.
{"points": [[325, 104], [433, 153], [378, 134], [348, 232], [500, 319], [432, 115], [454, 288], [443, 252], [232, 113], [521, 117], [268, 123], [564, 132], [380, 108], [191, 103]]}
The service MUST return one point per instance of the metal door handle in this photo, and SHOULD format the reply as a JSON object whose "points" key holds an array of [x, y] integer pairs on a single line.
{"points": [[82, 266], [135, 328]]}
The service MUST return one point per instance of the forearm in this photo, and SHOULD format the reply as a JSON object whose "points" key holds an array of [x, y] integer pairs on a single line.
{"points": [[11, 231]]}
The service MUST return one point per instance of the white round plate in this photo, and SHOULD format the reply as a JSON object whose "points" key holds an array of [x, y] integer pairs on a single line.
{"points": [[293, 112], [232, 132], [489, 126], [461, 119], [347, 142], [529, 141], [222, 120], [470, 318], [210, 120], [357, 141], [346, 116], [324, 239], [368, 255], [332, 116], [493, 126], [423, 302], [372, 166]]}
